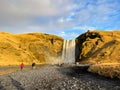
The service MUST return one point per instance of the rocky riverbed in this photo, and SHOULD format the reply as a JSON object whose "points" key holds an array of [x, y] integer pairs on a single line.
{"points": [[53, 77]]}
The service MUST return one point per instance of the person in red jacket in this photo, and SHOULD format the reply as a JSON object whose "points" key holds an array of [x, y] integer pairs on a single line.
{"points": [[21, 65]]}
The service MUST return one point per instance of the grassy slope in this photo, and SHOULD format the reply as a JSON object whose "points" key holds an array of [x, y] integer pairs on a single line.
{"points": [[99, 47], [29, 47], [102, 49], [111, 70]]}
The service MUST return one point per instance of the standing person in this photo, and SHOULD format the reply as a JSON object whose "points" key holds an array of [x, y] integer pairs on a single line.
{"points": [[33, 65], [21, 65]]}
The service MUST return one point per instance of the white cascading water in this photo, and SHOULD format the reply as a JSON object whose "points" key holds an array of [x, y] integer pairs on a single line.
{"points": [[68, 53]]}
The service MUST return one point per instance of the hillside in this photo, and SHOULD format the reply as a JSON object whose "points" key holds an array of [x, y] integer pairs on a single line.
{"points": [[38, 47], [98, 47], [91, 47]]}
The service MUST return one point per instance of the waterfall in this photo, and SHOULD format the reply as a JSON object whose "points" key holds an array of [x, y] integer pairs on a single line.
{"points": [[68, 53]]}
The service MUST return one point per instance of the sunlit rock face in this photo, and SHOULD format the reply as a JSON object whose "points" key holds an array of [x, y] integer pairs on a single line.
{"points": [[38, 47], [98, 46], [89, 47]]}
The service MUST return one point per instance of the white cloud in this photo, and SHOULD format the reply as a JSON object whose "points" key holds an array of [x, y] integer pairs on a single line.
{"points": [[85, 28], [20, 11], [34, 7], [61, 20], [19, 16], [69, 19]]}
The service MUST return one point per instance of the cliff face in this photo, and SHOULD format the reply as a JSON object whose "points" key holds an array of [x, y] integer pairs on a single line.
{"points": [[38, 47], [91, 47], [98, 47]]}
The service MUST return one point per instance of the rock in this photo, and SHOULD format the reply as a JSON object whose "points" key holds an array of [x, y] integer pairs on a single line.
{"points": [[98, 46], [117, 88], [47, 78]]}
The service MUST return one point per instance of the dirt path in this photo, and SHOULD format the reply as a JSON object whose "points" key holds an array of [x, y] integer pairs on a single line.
{"points": [[56, 78], [10, 69]]}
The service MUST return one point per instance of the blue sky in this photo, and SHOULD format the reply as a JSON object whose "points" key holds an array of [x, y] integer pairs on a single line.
{"points": [[66, 18]]}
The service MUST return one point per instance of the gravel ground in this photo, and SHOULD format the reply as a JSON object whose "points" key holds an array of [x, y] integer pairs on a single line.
{"points": [[51, 77]]}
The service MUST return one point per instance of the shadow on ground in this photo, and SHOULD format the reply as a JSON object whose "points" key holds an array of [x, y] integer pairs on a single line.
{"points": [[83, 74], [16, 83]]}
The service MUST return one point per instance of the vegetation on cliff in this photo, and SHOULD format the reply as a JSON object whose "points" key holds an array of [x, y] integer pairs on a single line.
{"points": [[98, 47], [102, 49], [38, 47], [111, 70]]}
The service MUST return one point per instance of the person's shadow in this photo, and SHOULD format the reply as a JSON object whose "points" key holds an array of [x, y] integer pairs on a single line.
{"points": [[16, 83]]}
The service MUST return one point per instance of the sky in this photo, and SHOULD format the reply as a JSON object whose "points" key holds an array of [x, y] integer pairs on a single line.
{"points": [[65, 18]]}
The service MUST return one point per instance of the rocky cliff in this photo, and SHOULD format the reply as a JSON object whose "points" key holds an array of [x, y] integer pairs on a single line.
{"points": [[98, 47], [38, 47], [91, 47]]}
